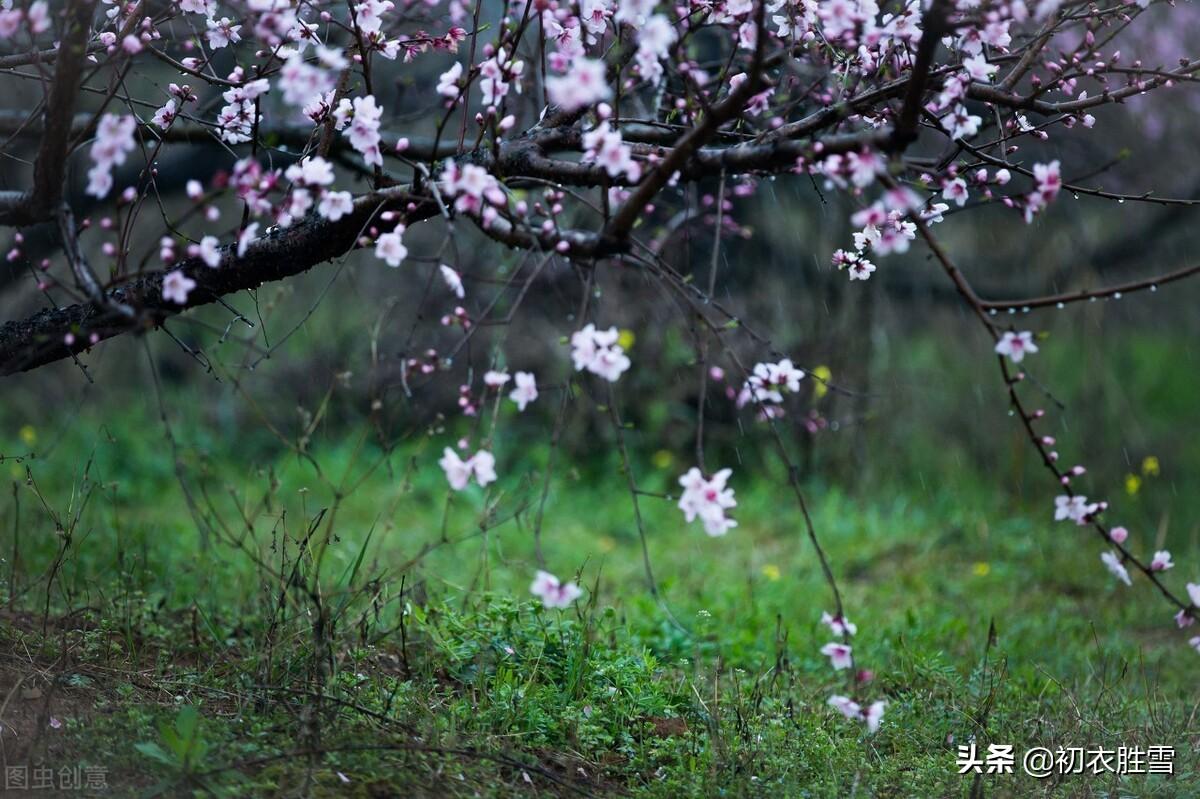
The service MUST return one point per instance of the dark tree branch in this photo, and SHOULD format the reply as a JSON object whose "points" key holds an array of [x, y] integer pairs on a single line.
{"points": [[50, 167], [282, 253], [934, 25]]}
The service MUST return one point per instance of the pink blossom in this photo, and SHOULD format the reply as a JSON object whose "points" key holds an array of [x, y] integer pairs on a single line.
{"points": [[839, 625], [164, 116], [311, 171], [335, 204], [584, 85], [1118, 535], [1016, 345], [113, 143], [209, 251], [452, 280], [874, 715], [598, 352], [39, 17], [956, 191], [846, 706], [481, 466], [390, 249], [708, 499], [525, 391], [553, 592], [494, 379], [448, 82], [839, 655], [1076, 508], [222, 33], [1161, 561], [246, 237], [1112, 562], [176, 286]]}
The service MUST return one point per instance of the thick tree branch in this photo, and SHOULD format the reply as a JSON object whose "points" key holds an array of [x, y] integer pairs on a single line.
{"points": [[50, 167], [282, 253]]}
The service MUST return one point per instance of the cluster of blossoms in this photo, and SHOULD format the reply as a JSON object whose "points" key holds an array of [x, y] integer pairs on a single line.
{"points": [[841, 657], [524, 392], [311, 180], [707, 499], [481, 466], [474, 190], [236, 120], [114, 141], [359, 120], [766, 386], [598, 352], [37, 17], [603, 146]]}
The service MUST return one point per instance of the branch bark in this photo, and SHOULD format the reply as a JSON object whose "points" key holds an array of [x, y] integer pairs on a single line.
{"points": [[50, 167], [282, 253]]}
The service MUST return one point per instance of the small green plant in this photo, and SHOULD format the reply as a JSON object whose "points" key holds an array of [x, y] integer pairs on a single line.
{"points": [[181, 753]]}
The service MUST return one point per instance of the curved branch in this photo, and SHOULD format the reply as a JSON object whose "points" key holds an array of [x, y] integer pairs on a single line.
{"points": [[58, 333]]}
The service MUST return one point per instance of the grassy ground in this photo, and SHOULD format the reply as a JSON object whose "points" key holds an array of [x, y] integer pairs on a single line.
{"points": [[214, 662]]}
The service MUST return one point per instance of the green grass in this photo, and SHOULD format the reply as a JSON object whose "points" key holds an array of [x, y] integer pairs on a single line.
{"points": [[211, 662]]}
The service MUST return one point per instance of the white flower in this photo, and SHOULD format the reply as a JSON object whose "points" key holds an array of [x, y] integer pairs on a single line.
{"points": [[598, 352], [979, 69], [453, 280], [448, 82], [769, 380], [494, 379], [1075, 508], [874, 715], [1016, 345], [839, 655], [846, 706], [585, 85], [458, 472], [1193, 590], [210, 251], [481, 466], [553, 592], [839, 625], [390, 249], [1113, 563], [1161, 561], [164, 116], [484, 465], [176, 286], [335, 204], [525, 391], [222, 33], [245, 237], [708, 499], [313, 171]]}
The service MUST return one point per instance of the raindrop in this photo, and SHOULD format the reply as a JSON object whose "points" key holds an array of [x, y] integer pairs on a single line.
{"points": [[1153, 287], [1116, 295], [1061, 305], [992, 312], [1025, 309], [1012, 311], [1120, 201]]}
